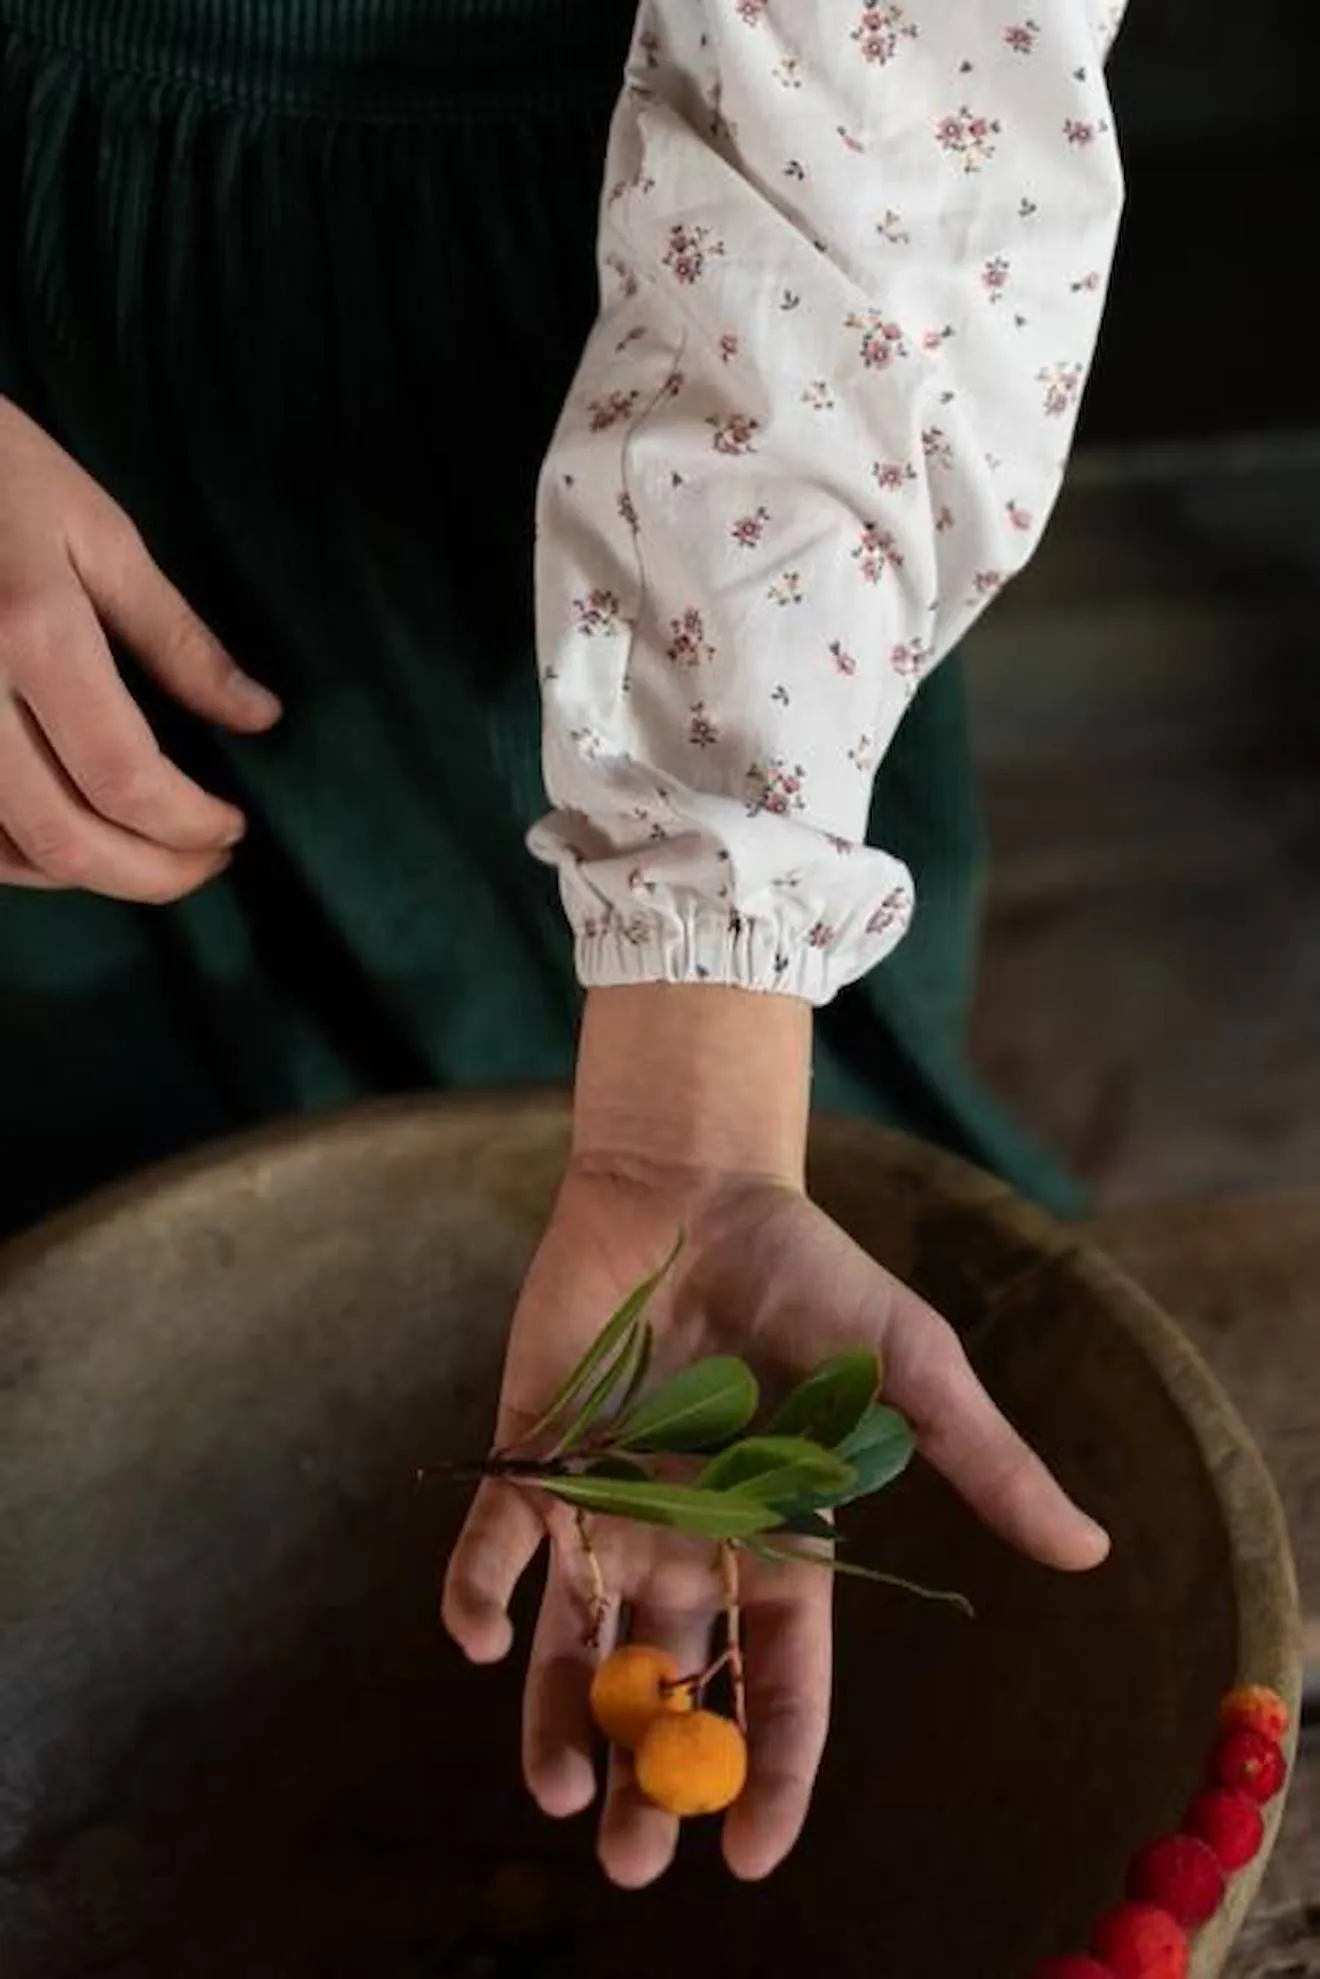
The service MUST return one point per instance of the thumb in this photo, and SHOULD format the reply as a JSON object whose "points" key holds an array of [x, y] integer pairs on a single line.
{"points": [[140, 606], [967, 1439]]}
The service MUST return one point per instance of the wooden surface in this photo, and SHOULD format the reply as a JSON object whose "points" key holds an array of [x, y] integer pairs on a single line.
{"points": [[233, 1742], [1243, 1277]]}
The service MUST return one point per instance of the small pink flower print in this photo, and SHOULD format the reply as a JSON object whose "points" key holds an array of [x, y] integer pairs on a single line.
{"points": [[853, 144], [845, 847], [597, 925], [688, 250], [969, 137], [890, 227], [1078, 131], [729, 346], [780, 696], [788, 73], [609, 411], [876, 552], [598, 612], [935, 445], [894, 911], [844, 662], [628, 511], [891, 475], [1027, 209], [702, 730], [882, 342], [994, 276], [1018, 516], [638, 882], [688, 645], [673, 384], [822, 935], [933, 340], [1088, 284], [879, 32], [863, 754], [635, 930], [633, 336], [776, 787], [818, 396], [1022, 37], [1062, 384], [749, 530], [943, 518], [909, 658], [795, 170], [627, 281], [734, 434], [786, 590], [587, 742], [986, 582], [751, 12]]}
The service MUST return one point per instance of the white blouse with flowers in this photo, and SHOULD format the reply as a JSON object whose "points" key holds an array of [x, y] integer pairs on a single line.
{"points": [[854, 258]]}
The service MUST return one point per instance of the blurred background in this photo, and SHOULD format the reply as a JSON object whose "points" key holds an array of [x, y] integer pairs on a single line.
{"points": [[1147, 717]]}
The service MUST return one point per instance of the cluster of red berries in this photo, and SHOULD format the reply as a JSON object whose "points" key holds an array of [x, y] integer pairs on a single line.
{"points": [[1176, 1884]]}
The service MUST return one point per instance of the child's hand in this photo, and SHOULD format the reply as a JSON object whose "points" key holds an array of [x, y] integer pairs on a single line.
{"points": [[765, 1275]]}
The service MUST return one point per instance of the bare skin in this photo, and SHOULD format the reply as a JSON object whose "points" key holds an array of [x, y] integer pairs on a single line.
{"points": [[691, 1111], [87, 798]]}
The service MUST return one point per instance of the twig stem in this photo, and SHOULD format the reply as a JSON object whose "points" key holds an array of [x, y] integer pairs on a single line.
{"points": [[733, 1626]]}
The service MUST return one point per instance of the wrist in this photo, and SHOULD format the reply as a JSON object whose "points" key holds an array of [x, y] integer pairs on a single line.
{"points": [[695, 1076]]}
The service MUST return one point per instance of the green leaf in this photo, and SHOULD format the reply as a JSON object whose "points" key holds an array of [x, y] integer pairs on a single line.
{"points": [[699, 1409], [609, 1338], [791, 1556], [642, 1368], [776, 1470], [616, 1467], [620, 1371], [830, 1403], [684, 1507], [878, 1449]]}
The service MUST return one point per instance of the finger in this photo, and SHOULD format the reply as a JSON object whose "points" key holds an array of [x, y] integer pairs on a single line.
{"points": [[54, 832], [789, 1657], [498, 1543], [142, 607], [962, 1433], [557, 1728], [97, 731], [638, 1839], [15, 870]]}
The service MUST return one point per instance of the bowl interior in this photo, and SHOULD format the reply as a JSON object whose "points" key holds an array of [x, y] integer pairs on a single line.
{"points": [[233, 1740]]}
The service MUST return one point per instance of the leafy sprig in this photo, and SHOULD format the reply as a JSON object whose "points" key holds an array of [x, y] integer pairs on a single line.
{"points": [[606, 1445]]}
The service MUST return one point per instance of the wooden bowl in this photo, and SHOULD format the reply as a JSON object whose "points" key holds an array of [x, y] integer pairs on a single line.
{"points": [[233, 1741]]}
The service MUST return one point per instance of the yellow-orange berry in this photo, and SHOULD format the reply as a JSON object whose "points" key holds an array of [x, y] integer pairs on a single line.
{"points": [[632, 1687], [1254, 1708], [692, 1765]]}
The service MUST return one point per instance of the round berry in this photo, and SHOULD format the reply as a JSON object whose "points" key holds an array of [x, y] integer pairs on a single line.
{"points": [[1181, 1874], [1229, 1821], [1141, 1941], [1251, 1762], [1254, 1708]]}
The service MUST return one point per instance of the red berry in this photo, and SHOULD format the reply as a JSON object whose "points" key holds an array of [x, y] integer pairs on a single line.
{"points": [[1140, 1941], [1074, 1965], [1181, 1874], [1229, 1821], [1250, 1761], [1254, 1708]]}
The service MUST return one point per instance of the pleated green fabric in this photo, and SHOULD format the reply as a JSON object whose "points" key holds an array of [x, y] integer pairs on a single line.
{"points": [[302, 283]]}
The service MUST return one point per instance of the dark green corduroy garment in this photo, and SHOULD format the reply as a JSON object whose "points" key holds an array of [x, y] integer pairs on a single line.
{"points": [[303, 283]]}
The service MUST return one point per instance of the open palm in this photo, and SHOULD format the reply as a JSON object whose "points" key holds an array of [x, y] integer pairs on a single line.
{"points": [[766, 1275]]}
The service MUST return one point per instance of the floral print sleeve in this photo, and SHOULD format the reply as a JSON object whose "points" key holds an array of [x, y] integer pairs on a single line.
{"points": [[854, 258]]}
